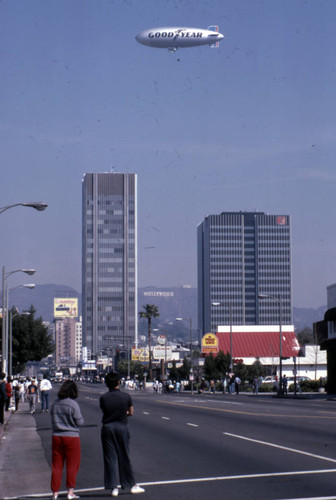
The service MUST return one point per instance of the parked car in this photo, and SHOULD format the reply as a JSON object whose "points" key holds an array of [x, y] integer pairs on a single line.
{"points": [[269, 380]]}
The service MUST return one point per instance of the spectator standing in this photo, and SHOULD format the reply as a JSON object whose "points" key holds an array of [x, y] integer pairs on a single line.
{"points": [[116, 406], [237, 384], [2, 397], [32, 396], [9, 393], [66, 418], [285, 384], [255, 385], [45, 388]]}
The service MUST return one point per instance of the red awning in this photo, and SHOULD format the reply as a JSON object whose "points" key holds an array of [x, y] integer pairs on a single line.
{"points": [[259, 344]]}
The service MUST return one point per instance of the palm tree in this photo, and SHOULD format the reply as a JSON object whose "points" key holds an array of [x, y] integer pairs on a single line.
{"points": [[150, 311]]}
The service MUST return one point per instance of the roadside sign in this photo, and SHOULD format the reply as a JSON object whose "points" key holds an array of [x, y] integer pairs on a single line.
{"points": [[161, 339], [163, 352]]}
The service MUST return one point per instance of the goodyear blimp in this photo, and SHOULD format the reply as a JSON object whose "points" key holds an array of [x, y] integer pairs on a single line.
{"points": [[173, 38]]}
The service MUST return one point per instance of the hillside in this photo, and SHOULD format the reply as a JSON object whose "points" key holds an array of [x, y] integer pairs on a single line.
{"points": [[172, 303]]}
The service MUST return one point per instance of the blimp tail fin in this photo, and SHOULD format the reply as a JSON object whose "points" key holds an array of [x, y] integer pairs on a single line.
{"points": [[215, 28]]}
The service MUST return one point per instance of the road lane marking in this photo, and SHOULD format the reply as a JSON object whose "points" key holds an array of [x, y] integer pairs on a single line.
{"points": [[165, 418], [145, 412], [241, 412], [197, 480], [192, 425], [312, 498], [312, 455]]}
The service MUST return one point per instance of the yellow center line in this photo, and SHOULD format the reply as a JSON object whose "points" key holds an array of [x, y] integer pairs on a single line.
{"points": [[237, 412]]}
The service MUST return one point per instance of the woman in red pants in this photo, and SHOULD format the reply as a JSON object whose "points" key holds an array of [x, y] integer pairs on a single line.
{"points": [[66, 418]]}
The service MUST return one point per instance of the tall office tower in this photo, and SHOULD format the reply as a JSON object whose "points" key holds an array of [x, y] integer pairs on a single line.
{"points": [[241, 255], [109, 261]]}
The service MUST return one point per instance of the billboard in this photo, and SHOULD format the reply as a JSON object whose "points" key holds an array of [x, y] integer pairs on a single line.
{"points": [[140, 354], [209, 343], [163, 352], [65, 308]]}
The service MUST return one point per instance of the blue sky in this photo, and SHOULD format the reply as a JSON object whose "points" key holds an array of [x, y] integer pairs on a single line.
{"points": [[248, 126]]}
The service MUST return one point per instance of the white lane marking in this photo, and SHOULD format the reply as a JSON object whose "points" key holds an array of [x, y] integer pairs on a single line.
{"points": [[320, 457], [201, 480], [312, 498], [165, 418], [192, 425], [145, 412]]}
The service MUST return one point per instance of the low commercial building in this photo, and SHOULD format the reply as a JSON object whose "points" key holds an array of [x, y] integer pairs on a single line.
{"points": [[251, 343]]}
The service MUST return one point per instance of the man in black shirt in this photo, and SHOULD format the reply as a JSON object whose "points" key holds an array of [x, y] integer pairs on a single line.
{"points": [[116, 406]]}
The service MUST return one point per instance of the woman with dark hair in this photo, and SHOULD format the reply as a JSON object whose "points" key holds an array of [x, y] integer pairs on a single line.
{"points": [[66, 418]]}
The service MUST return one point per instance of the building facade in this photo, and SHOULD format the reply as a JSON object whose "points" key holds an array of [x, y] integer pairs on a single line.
{"points": [[240, 256], [109, 261], [68, 341]]}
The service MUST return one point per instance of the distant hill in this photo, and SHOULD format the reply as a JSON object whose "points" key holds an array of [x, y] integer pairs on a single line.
{"points": [[172, 302], [42, 298], [303, 318]]}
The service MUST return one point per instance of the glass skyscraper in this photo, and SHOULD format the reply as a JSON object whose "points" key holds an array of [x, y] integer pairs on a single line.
{"points": [[109, 261], [241, 255]]}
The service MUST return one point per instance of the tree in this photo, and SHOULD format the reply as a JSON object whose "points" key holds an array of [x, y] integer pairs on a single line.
{"points": [[256, 370], [150, 311], [306, 336], [135, 368], [222, 363], [31, 339], [210, 369], [184, 370]]}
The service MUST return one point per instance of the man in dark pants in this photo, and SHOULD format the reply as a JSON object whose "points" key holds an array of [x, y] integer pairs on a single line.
{"points": [[116, 406]]}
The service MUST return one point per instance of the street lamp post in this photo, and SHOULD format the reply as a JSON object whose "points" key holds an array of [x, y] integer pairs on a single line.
{"points": [[278, 300], [190, 343], [39, 206], [229, 306], [4, 336]]}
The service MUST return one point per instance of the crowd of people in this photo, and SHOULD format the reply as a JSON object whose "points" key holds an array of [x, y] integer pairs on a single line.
{"points": [[19, 389], [66, 419]]}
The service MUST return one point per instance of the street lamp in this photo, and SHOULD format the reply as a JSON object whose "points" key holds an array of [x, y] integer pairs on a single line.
{"points": [[190, 342], [278, 300], [229, 306], [4, 337], [38, 205]]}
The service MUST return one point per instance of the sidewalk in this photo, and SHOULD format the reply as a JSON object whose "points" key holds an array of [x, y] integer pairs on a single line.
{"points": [[24, 469]]}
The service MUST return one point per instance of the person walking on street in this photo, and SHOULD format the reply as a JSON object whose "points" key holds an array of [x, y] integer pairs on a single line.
{"points": [[116, 406], [2, 397], [32, 395], [45, 387], [66, 418]]}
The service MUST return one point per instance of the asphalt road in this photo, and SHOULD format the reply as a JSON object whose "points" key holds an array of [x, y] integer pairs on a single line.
{"points": [[220, 447]]}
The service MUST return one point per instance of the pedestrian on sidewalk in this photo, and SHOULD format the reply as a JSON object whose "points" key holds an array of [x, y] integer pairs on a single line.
{"points": [[116, 406], [9, 393], [17, 395], [66, 418], [45, 387], [32, 396], [2, 397]]}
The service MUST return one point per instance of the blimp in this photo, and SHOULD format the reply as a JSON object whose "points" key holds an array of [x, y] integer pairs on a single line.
{"points": [[173, 38]]}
